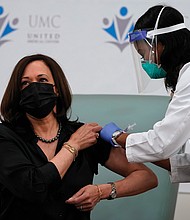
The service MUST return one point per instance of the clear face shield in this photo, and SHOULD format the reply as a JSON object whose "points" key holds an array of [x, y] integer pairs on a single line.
{"points": [[146, 51], [145, 48]]}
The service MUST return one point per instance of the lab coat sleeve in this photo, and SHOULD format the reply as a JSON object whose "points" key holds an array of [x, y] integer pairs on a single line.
{"points": [[168, 135], [180, 168]]}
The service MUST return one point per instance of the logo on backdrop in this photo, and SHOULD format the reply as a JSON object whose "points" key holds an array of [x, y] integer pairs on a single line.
{"points": [[7, 26], [118, 28], [44, 28]]}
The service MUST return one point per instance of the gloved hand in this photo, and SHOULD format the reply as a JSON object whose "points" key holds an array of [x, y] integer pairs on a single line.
{"points": [[107, 132]]}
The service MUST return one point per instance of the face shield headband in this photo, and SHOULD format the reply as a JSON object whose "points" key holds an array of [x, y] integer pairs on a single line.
{"points": [[144, 34]]}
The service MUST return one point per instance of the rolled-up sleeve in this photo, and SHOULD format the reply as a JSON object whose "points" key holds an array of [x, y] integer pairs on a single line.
{"points": [[180, 168]]}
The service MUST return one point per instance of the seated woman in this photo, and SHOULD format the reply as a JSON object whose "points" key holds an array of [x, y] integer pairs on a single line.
{"points": [[47, 160]]}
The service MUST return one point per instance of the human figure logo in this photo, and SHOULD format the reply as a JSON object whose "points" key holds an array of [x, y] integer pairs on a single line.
{"points": [[119, 28], [6, 26]]}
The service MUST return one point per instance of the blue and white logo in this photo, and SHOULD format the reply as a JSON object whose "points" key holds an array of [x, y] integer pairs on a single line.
{"points": [[7, 26], [119, 28]]}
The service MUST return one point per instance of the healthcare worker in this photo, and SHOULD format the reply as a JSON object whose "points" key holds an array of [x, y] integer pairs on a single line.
{"points": [[163, 42]]}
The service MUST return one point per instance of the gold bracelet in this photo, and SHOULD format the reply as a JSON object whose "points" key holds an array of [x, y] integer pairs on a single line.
{"points": [[71, 149], [99, 192]]}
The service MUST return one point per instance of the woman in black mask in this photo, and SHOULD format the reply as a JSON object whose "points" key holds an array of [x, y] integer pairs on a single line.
{"points": [[46, 158]]}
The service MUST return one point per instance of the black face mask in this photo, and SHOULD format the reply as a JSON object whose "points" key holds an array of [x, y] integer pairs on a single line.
{"points": [[38, 99]]}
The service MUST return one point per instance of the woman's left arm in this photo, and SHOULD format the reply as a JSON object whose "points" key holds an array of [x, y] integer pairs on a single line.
{"points": [[138, 179]]}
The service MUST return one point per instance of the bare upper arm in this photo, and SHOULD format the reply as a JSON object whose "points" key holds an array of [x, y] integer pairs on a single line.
{"points": [[118, 163]]}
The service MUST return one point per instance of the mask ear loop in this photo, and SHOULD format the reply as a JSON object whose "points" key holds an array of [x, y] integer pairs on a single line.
{"points": [[155, 37]]}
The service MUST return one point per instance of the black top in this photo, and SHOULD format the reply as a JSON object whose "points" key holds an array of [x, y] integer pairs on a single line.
{"points": [[30, 185]]}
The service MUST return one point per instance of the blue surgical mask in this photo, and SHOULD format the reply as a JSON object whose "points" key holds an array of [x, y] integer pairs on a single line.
{"points": [[153, 70]]}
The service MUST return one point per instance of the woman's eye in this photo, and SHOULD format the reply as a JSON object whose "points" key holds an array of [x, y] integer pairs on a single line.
{"points": [[43, 80], [24, 84]]}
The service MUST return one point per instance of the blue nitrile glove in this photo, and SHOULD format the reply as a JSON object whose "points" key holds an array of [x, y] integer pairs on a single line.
{"points": [[107, 132]]}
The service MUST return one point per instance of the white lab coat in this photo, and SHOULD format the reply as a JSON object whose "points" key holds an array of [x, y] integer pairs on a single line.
{"points": [[168, 136]]}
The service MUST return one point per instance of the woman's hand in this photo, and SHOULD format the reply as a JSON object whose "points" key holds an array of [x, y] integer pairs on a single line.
{"points": [[85, 136], [86, 198]]}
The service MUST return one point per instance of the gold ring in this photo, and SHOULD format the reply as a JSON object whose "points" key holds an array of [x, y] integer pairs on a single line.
{"points": [[97, 135]]}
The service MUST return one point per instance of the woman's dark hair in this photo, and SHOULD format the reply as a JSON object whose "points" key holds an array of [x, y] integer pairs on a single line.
{"points": [[10, 109], [176, 44]]}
